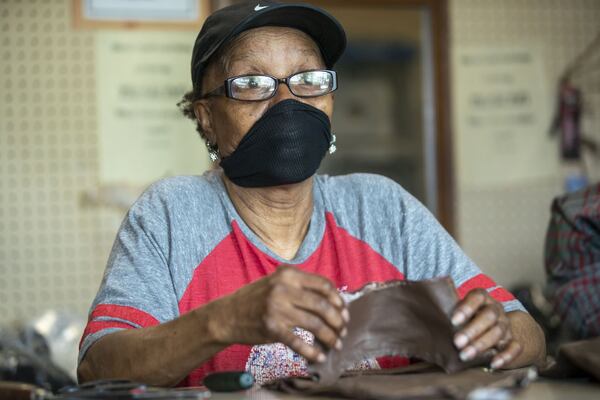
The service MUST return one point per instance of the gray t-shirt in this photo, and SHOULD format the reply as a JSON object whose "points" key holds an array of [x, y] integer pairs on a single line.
{"points": [[183, 244]]}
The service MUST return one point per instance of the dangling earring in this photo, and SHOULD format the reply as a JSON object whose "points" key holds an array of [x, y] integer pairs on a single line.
{"points": [[213, 151], [332, 147]]}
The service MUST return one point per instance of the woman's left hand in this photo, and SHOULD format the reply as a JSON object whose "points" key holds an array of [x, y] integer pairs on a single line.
{"points": [[485, 326]]}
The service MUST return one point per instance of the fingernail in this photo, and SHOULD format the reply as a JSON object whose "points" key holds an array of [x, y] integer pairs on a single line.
{"points": [[321, 358], [338, 344], [468, 353], [346, 315], [461, 340], [344, 332], [458, 318], [497, 363]]}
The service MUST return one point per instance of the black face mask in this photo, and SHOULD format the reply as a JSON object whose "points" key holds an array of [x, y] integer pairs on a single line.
{"points": [[286, 145]]}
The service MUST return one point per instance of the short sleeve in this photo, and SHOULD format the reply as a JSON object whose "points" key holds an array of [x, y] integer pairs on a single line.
{"points": [[431, 252], [137, 290]]}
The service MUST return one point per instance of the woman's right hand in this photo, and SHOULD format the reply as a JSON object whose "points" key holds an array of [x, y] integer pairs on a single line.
{"points": [[268, 310]]}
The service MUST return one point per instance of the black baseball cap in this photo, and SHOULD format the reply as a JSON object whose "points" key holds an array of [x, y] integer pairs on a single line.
{"points": [[226, 23]]}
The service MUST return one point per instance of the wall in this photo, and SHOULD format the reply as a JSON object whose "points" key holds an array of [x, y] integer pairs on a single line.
{"points": [[502, 228]]}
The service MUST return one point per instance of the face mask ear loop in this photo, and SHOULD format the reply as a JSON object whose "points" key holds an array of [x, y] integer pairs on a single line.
{"points": [[332, 146]]}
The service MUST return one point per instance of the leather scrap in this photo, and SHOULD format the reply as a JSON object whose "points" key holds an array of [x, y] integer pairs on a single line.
{"points": [[400, 384], [575, 360], [398, 318]]}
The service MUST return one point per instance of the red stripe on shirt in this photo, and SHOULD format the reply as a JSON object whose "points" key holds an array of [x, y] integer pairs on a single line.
{"points": [[478, 281], [126, 313], [501, 294], [97, 326]]}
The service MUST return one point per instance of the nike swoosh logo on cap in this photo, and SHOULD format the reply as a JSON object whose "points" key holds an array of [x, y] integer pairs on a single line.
{"points": [[259, 7]]}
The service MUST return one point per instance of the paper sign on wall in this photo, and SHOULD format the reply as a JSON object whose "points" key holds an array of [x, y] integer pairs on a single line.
{"points": [[503, 108], [142, 135]]}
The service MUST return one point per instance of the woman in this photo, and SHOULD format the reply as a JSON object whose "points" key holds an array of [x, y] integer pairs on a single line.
{"points": [[206, 267]]}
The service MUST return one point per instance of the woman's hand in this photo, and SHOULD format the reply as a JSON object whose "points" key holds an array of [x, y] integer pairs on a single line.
{"points": [[268, 309], [486, 326]]}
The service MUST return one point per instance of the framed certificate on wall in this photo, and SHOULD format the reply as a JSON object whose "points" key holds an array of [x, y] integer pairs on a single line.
{"points": [[141, 14]]}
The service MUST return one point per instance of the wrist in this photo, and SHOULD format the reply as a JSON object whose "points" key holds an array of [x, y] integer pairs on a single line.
{"points": [[218, 318], [531, 337]]}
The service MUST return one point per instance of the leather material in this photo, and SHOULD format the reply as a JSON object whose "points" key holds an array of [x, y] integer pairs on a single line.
{"points": [[576, 359], [422, 382], [399, 318]]}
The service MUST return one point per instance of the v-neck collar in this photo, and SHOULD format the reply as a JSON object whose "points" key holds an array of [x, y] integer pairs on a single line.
{"points": [[311, 241]]}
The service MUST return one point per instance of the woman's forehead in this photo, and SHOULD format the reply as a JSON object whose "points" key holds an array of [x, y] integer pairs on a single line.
{"points": [[266, 42], [275, 32]]}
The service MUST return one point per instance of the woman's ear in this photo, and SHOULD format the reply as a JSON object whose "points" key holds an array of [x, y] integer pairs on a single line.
{"points": [[204, 117]]}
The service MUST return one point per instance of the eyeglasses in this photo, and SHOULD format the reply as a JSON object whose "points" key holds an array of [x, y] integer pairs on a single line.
{"points": [[262, 87]]}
